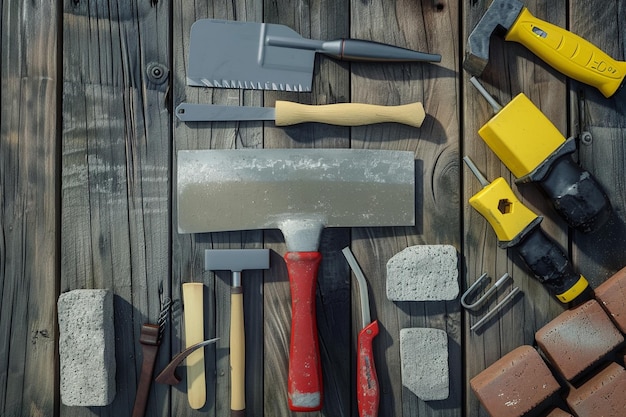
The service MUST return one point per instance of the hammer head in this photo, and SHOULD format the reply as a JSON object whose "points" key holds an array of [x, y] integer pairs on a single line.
{"points": [[500, 16], [236, 260]]}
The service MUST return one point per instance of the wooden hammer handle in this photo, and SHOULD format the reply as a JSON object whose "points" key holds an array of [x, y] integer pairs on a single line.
{"points": [[237, 354]]}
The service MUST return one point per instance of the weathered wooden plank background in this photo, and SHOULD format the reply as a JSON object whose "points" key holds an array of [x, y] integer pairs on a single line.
{"points": [[88, 144]]}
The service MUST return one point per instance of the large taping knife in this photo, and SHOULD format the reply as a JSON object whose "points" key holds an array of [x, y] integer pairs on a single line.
{"points": [[568, 53], [300, 192]]}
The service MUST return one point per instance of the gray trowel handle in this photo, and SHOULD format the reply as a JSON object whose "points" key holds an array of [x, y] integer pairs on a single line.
{"points": [[354, 49]]}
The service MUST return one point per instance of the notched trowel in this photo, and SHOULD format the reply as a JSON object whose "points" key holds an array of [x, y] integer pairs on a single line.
{"points": [[264, 56]]}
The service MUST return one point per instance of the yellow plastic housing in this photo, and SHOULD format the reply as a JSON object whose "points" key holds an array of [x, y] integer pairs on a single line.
{"points": [[506, 214], [577, 289], [521, 135], [568, 53]]}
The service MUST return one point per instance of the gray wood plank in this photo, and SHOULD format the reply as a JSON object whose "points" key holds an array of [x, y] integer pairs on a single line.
{"points": [[28, 209], [431, 28], [188, 250], [601, 254], [512, 69], [115, 176], [325, 20]]}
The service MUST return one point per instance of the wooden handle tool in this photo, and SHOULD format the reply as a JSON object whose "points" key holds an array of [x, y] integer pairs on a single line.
{"points": [[287, 113], [194, 333]]}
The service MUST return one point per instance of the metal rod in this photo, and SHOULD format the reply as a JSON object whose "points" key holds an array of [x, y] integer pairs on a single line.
{"points": [[360, 278], [494, 104], [475, 171], [481, 301], [496, 309]]}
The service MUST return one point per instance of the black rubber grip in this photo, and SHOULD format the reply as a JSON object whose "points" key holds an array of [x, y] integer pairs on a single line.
{"points": [[361, 50], [574, 192], [576, 195], [547, 261]]}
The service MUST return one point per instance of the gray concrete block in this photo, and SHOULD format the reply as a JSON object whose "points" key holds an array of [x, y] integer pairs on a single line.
{"points": [[86, 347], [423, 273], [424, 359]]}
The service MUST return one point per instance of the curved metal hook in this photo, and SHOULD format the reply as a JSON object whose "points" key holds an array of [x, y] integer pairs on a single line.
{"points": [[482, 300], [168, 374]]}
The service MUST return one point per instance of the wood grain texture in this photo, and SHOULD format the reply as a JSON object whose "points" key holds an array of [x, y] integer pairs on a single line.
{"points": [[601, 254], [188, 250], [28, 209], [115, 174], [318, 19], [513, 69], [88, 196]]}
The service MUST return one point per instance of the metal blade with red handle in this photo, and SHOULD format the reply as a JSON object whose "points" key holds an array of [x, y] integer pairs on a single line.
{"points": [[368, 395]]}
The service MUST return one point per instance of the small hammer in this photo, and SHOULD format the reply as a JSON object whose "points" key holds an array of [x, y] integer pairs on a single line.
{"points": [[563, 50], [236, 261]]}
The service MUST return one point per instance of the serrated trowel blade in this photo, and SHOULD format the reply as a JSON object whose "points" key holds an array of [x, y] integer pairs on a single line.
{"points": [[231, 54]]}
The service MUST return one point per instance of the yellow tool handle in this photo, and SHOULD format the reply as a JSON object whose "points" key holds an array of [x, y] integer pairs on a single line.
{"points": [[237, 354], [348, 114], [502, 209], [568, 53], [194, 333]]}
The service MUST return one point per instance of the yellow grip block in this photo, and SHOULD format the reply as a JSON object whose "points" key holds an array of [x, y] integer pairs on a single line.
{"points": [[521, 136], [502, 209], [348, 114], [568, 53]]}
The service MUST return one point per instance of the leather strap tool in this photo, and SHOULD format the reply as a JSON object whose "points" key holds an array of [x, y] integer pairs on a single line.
{"points": [[150, 339]]}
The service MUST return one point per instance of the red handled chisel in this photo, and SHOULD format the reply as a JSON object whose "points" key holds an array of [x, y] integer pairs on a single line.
{"points": [[368, 396]]}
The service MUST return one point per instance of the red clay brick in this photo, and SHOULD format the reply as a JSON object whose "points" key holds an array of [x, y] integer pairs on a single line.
{"points": [[516, 384], [603, 395], [578, 339], [612, 297], [557, 412]]}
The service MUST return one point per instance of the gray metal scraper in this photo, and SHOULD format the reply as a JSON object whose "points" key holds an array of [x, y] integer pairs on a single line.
{"points": [[299, 191], [231, 54]]}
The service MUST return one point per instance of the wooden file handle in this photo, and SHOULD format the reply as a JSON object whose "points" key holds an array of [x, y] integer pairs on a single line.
{"points": [[348, 114], [194, 333], [305, 368]]}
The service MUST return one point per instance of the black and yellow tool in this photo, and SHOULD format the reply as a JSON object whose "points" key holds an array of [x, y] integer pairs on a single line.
{"points": [[534, 150], [517, 227], [563, 50]]}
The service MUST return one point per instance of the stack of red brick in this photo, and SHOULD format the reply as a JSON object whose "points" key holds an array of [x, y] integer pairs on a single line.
{"points": [[579, 366]]}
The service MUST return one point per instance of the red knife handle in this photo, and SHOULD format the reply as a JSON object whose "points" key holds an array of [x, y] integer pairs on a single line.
{"points": [[305, 369], [368, 396]]}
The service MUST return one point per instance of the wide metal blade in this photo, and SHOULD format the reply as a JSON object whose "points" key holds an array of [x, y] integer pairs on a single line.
{"points": [[187, 112], [245, 189], [231, 54]]}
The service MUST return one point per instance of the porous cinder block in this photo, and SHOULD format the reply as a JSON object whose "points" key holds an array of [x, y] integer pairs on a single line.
{"points": [[424, 362], [86, 347], [423, 273], [578, 339], [516, 384], [602, 395], [611, 295]]}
